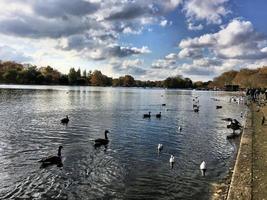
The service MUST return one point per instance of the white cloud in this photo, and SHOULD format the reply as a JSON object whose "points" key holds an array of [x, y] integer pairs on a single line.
{"points": [[209, 11], [194, 27]]}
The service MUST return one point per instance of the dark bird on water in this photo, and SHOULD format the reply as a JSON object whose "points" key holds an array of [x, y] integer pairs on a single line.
{"points": [[147, 115], [65, 120], [218, 107], [102, 141], [158, 115], [53, 160]]}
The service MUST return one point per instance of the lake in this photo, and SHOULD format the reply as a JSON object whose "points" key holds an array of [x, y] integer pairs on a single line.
{"points": [[130, 166]]}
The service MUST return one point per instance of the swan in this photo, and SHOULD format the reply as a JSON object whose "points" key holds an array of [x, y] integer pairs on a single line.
{"points": [[101, 141], [158, 115], [171, 161], [65, 120], [203, 168], [147, 115], [53, 160], [160, 147]]}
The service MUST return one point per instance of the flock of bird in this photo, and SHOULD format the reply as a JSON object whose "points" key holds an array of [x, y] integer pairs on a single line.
{"points": [[234, 125]]}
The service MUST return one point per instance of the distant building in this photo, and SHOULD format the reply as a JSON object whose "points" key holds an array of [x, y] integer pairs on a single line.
{"points": [[231, 87]]}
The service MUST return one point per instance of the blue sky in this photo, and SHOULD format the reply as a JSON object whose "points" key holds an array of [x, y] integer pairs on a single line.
{"points": [[149, 40]]}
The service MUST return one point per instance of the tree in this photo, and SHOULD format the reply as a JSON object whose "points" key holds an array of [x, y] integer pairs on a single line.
{"points": [[72, 76]]}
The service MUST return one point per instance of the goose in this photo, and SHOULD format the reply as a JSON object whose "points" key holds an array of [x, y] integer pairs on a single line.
{"points": [[171, 161], [101, 141], [203, 168], [160, 147], [65, 120], [53, 160], [180, 128], [147, 115], [158, 115]]}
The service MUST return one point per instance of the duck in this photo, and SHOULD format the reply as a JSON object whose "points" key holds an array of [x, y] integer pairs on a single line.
{"points": [[203, 168], [218, 107], [101, 141], [160, 147], [65, 120], [180, 128], [53, 160], [164, 104], [171, 161], [158, 115], [147, 115]]}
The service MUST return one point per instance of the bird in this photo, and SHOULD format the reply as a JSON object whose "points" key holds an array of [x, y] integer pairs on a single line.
{"points": [[101, 141], [160, 147], [53, 160], [158, 115], [203, 168], [171, 161], [180, 128], [218, 107], [164, 104], [147, 115], [65, 120]]}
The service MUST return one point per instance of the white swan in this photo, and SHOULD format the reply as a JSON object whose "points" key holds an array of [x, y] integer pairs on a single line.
{"points": [[203, 168], [171, 161], [160, 147]]}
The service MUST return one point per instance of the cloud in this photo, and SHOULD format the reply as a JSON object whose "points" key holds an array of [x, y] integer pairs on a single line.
{"points": [[63, 8], [10, 54], [116, 51], [206, 10], [131, 67], [237, 40], [194, 27]]}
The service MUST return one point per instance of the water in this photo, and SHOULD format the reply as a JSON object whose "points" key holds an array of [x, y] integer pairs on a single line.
{"points": [[129, 167]]}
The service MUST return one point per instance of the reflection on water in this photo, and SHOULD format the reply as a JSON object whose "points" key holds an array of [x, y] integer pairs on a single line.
{"points": [[129, 167]]}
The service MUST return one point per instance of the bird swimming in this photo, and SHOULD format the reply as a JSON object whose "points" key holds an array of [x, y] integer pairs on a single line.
{"points": [[102, 141], [53, 160], [65, 120], [160, 147], [147, 115], [158, 115], [203, 168], [171, 161], [180, 128]]}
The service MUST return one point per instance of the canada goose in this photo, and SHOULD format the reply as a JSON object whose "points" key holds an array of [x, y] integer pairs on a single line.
{"points": [[53, 160], [101, 141], [234, 125], [65, 120], [203, 168], [147, 115], [160, 147], [171, 161], [158, 115]]}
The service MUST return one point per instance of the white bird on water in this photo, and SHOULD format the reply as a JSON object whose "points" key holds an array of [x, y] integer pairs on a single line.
{"points": [[203, 168], [171, 161], [180, 128], [160, 147]]}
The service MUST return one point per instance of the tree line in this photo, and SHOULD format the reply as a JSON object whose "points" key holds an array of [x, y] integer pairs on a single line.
{"points": [[15, 73], [244, 78]]}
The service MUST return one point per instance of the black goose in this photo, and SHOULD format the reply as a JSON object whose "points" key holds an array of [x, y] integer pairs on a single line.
{"points": [[53, 160], [65, 120], [147, 115], [234, 125], [101, 141], [158, 115]]}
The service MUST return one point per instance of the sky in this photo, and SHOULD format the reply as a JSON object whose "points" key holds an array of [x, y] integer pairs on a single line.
{"points": [[148, 39]]}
